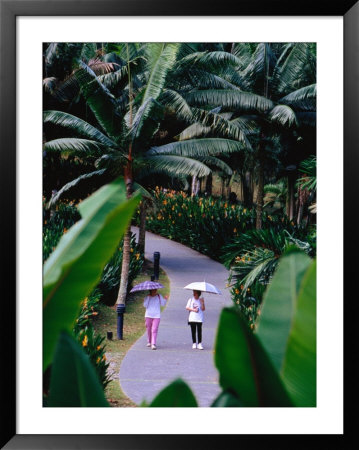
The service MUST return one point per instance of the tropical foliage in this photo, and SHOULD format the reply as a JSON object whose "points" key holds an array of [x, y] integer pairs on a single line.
{"points": [[172, 115], [275, 366]]}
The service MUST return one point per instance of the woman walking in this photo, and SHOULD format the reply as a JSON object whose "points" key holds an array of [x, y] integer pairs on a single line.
{"points": [[153, 303], [195, 306]]}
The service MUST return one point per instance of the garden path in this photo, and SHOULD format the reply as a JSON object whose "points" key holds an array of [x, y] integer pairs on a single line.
{"points": [[145, 372]]}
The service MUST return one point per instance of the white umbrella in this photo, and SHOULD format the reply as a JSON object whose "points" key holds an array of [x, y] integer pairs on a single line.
{"points": [[203, 286]]}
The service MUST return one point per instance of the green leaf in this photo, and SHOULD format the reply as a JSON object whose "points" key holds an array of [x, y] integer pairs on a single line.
{"points": [[244, 366], [74, 145], [75, 266], [228, 98], [226, 399], [173, 165], [161, 58], [79, 126], [299, 366], [102, 103], [177, 394], [74, 381], [146, 122], [284, 115], [279, 305], [73, 183], [198, 147]]}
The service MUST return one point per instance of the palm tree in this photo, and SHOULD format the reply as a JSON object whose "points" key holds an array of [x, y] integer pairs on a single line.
{"points": [[274, 85], [126, 131]]}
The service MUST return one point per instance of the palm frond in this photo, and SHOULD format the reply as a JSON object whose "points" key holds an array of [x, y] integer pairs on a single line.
{"points": [[286, 76], [173, 100], [261, 270], [309, 168], [74, 146], [77, 125], [198, 147], [102, 103], [195, 130], [230, 99], [260, 67], [55, 198], [66, 90], [50, 84], [243, 52], [212, 161], [210, 61], [146, 122], [248, 124], [303, 98], [176, 165], [284, 115], [161, 59], [220, 126]]}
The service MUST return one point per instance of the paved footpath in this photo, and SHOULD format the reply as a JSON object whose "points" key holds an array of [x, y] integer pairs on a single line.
{"points": [[144, 372]]}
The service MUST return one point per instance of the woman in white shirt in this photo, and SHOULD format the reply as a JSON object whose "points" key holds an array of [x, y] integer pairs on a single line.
{"points": [[153, 303], [195, 306]]}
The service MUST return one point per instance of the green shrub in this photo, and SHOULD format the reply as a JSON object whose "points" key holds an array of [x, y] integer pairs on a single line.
{"points": [[55, 224], [253, 258]]}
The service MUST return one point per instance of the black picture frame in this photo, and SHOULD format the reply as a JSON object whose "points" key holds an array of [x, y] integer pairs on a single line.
{"points": [[9, 10]]}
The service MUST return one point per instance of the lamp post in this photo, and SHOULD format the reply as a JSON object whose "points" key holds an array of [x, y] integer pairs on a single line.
{"points": [[120, 312], [156, 265]]}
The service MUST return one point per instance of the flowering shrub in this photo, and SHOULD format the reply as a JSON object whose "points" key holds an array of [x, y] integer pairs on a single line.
{"points": [[91, 342], [204, 224]]}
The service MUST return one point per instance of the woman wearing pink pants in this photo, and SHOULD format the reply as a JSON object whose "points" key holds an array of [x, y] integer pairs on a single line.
{"points": [[153, 303]]}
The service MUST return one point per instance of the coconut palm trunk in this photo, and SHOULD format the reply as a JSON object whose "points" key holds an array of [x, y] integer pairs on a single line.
{"points": [[126, 251], [142, 228]]}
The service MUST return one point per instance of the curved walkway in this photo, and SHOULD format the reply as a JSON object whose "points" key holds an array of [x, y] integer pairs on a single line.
{"points": [[144, 372]]}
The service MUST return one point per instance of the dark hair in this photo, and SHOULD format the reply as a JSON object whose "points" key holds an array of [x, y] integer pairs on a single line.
{"points": [[198, 292]]}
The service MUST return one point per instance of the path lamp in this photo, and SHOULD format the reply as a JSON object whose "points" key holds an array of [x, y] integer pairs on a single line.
{"points": [[156, 265], [120, 312]]}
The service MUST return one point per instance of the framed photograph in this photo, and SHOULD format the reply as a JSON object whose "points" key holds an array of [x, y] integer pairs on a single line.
{"points": [[24, 27]]}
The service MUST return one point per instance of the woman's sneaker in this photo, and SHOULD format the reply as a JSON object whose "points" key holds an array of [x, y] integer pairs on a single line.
{"points": [[153, 347], [200, 346], [148, 344], [194, 346]]}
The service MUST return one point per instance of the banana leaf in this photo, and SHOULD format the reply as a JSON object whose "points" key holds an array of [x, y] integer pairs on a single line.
{"points": [[75, 266], [74, 381]]}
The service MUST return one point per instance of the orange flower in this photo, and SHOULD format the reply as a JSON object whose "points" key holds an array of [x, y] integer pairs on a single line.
{"points": [[85, 341]]}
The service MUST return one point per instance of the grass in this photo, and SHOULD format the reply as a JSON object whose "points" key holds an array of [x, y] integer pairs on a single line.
{"points": [[133, 329]]}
